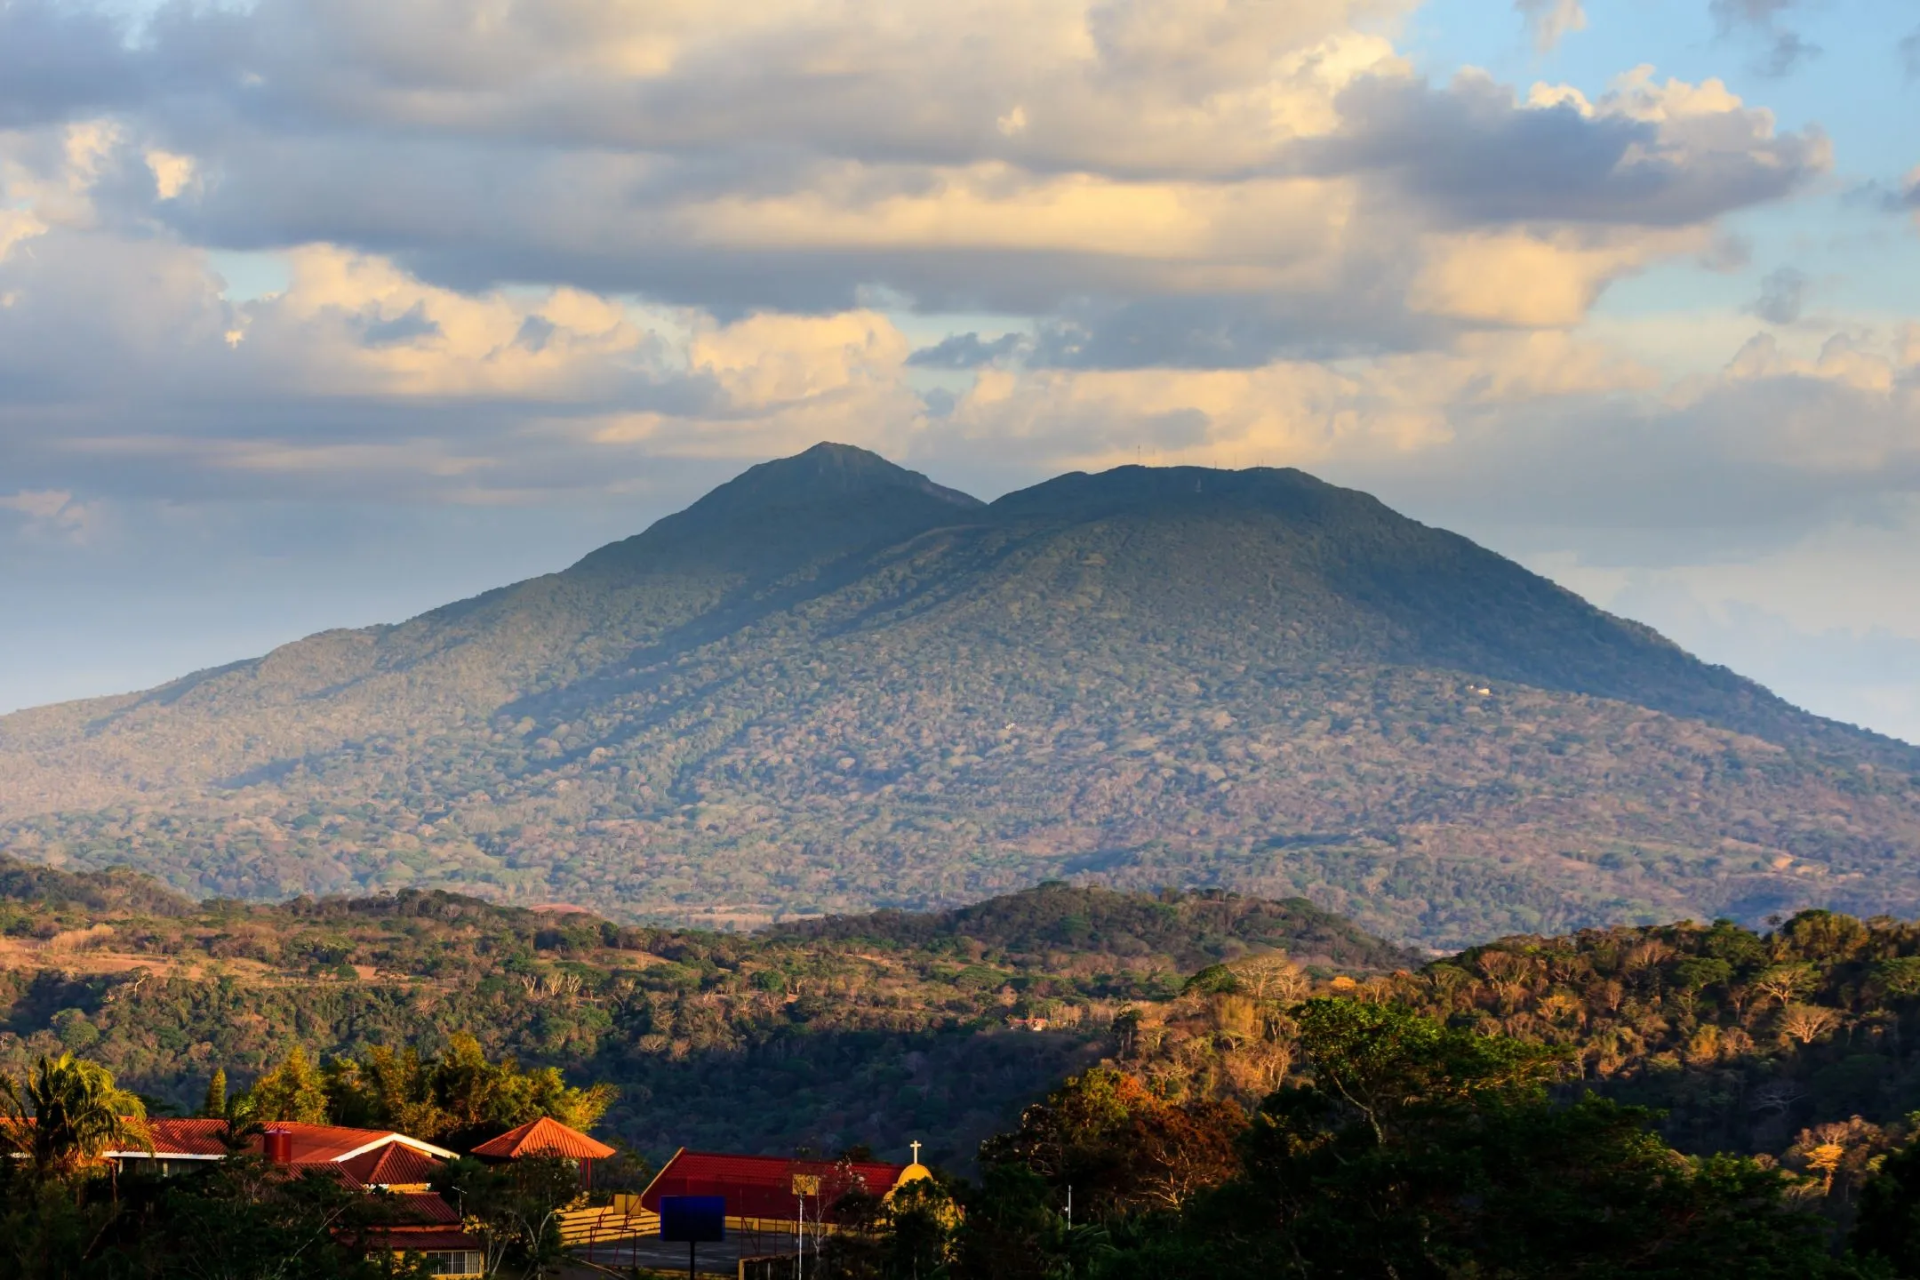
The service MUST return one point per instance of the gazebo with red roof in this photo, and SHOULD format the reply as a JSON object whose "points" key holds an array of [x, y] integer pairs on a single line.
{"points": [[546, 1137]]}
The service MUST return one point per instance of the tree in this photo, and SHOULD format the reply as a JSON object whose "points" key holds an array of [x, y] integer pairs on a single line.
{"points": [[294, 1090], [67, 1113], [1120, 1147], [1421, 1151], [215, 1105], [1807, 1022], [1178, 1151], [514, 1208], [247, 1219], [1784, 983], [460, 1096], [1887, 1229], [1393, 1068], [1899, 977], [1010, 1229], [907, 1234]]}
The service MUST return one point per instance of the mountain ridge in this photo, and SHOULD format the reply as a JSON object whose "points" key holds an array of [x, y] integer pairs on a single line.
{"points": [[833, 684]]}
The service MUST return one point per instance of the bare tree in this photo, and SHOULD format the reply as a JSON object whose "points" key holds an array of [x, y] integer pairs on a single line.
{"points": [[1272, 976], [1807, 1022], [1776, 1095], [1783, 983]]}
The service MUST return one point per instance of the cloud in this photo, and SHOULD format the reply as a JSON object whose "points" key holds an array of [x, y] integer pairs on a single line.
{"points": [[1788, 51], [1774, 445], [788, 158], [172, 174], [1751, 12], [1551, 21], [533, 254], [1785, 50], [50, 514], [414, 323], [966, 351], [60, 60], [1910, 54], [1783, 292]]}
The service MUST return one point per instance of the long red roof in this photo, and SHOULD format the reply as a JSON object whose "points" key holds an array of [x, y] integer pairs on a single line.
{"points": [[187, 1137], [311, 1143], [543, 1137], [763, 1186]]}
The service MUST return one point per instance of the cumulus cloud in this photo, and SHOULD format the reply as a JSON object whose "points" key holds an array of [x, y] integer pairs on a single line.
{"points": [[780, 157], [1777, 443], [531, 249]]}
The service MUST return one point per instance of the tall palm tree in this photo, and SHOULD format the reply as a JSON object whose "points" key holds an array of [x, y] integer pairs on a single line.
{"points": [[68, 1113]]}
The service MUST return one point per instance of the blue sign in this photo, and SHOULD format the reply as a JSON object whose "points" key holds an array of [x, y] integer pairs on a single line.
{"points": [[693, 1219]]}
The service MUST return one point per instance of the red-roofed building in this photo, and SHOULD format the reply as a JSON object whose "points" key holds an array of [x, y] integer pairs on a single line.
{"points": [[365, 1159], [547, 1137], [543, 1137], [766, 1196], [180, 1143], [393, 1167]]}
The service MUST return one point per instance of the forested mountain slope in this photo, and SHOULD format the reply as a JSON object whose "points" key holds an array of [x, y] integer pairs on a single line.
{"points": [[834, 685]]}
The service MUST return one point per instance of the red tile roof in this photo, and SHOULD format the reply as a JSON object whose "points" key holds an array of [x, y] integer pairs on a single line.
{"points": [[394, 1164], [319, 1143], [543, 1137], [312, 1143], [187, 1137], [427, 1208], [762, 1186]]}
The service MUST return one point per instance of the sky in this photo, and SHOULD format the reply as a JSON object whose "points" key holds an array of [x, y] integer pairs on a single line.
{"points": [[319, 313]]}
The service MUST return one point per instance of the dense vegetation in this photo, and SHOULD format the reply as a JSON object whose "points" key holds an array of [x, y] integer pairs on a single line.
{"points": [[1402, 1150], [1252, 1088], [831, 685], [872, 1030], [752, 1042]]}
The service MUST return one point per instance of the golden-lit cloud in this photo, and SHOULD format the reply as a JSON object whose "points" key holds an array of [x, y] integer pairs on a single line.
{"points": [[528, 239]]}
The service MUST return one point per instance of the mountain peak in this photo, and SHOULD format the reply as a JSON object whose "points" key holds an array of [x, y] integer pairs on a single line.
{"points": [[1083, 495], [791, 511], [826, 471]]}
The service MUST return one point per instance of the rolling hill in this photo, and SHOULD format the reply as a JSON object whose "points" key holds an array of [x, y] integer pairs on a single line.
{"points": [[844, 1029], [833, 685]]}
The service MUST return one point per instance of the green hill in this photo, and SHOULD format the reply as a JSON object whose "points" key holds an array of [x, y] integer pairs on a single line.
{"points": [[1060, 924], [832, 685]]}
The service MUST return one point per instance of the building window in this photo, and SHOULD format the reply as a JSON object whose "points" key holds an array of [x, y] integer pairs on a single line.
{"points": [[455, 1262]]}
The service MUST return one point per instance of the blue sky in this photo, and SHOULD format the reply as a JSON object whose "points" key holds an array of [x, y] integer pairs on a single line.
{"points": [[322, 313]]}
